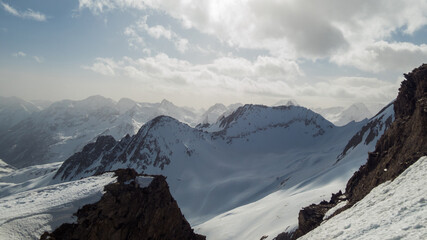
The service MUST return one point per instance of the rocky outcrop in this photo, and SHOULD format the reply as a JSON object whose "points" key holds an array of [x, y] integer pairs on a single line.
{"points": [[89, 153], [129, 210], [403, 143], [141, 150], [370, 131], [310, 217]]}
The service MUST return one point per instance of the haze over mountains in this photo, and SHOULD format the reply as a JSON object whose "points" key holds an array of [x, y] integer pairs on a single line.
{"points": [[64, 127], [244, 176], [249, 155]]}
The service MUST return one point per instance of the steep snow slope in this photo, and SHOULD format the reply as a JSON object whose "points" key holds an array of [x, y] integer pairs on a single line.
{"points": [[62, 129], [240, 159], [26, 215], [393, 210], [278, 211]]}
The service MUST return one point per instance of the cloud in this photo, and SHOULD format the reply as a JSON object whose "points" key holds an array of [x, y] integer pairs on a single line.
{"points": [[332, 29], [383, 56], [228, 74], [27, 14], [104, 66], [38, 59], [234, 78], [19, 54], [24, 55], [100, 6], [135, 31]]}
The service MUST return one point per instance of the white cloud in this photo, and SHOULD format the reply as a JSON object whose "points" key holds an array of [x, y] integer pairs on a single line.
{"points": [[262, 76], [232, 78], [100, 6], [135, 31], [19, 54], [104, 66], [24, 55], [292, 29], [27, 14], [38, 59], [383, 56]]}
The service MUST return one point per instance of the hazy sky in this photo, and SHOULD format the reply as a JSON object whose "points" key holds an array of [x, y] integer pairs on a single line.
{"points": [[197, 53]]}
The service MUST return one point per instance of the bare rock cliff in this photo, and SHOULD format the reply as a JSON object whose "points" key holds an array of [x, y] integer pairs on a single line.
{"points": [[129, 211]]}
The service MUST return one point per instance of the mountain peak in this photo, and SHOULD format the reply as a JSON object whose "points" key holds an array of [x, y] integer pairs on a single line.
{"points": [[286, 102], [166, 103]]}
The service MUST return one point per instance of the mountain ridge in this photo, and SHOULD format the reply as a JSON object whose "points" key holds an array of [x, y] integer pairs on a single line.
{"points": [[402, 144]]}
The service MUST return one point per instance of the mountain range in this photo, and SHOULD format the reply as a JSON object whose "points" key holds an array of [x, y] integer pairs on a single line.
{"points": [[213, 170], [251, 174], [59, 129]]}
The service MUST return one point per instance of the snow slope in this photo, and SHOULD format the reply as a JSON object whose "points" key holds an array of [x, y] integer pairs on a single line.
{"points": [[19, 180], [278, 211], [393, 210], [26, 215]]}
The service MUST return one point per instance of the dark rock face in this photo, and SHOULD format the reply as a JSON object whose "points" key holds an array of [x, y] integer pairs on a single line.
{"points": [[90, 153], [310, 217], [403, 143], [127, 211], [142, 149]]}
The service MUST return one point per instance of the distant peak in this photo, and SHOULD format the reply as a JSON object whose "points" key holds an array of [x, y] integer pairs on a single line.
{"points": [[286, 102], [165, 102], [96, 98]]}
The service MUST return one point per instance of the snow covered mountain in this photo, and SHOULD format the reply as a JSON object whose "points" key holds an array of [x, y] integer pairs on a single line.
{"points": [[14, 110], [55, 133], [286, 102], [255, 151], [214, 113], [258, 156], [341, 116], [272, 214]]}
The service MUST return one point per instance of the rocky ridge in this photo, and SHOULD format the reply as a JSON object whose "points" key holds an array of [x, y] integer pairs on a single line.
{"points": [[404, 142], [131, 208]]}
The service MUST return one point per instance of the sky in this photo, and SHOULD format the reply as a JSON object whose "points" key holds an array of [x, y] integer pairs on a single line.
{"points": [[197, 53]]}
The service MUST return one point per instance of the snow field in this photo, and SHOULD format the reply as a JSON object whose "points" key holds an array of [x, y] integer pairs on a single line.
{"points": [[26, 215]]}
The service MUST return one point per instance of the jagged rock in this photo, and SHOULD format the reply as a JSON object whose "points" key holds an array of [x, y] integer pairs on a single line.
{"points": [[90, 152], [129, 211], [402, 144]]}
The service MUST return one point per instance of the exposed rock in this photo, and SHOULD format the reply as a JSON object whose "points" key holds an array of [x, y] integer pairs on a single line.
{"points": [[373, 128], [129, 211], [310, 217], [90, 152], [404, 142]]}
